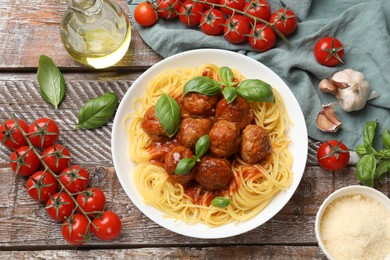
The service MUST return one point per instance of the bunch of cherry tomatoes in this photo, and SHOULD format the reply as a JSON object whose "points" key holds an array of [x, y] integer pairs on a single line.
{"points": [[239, 21], [52, 180]]}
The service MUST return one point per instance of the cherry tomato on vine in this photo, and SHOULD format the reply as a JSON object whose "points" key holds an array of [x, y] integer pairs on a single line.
{"points": [[236, 4], [108, 226], [259, 9], [75, 178], [168, 9], [333, 155], [24, 161], [329, 51], [236, 29], [212, 21], [60, 206], [285, 21], [262, 38], [56, 157], [207, 3], [75, 229], [41, 185], [145, 14], [91, 200], [43, 132], [11, 136], [190, 13]]}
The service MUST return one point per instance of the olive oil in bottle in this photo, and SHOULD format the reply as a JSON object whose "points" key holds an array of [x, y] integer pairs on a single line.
{"points": [[95, 33]]}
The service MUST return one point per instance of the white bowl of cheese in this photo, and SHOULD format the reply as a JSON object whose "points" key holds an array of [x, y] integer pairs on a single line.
{"points": [[354, 223]]}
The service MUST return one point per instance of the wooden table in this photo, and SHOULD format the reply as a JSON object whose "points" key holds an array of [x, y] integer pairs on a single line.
{"points": [[31, 28]]}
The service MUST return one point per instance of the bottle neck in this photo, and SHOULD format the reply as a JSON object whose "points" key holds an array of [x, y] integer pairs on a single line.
{"points": [[87, 7]]}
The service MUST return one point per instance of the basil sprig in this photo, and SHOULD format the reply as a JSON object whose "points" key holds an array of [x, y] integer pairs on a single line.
{"points": [[97, 111], [220, 202], [51, 81], [168, 113], [227, 77], [185, 165], [202, 85], [372, 163]]}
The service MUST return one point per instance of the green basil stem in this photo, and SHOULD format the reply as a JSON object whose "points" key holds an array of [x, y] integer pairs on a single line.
{"points": [[220, 202]]}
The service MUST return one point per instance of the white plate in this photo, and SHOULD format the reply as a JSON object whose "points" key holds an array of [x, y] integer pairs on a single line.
{"points": [[250, 68]]}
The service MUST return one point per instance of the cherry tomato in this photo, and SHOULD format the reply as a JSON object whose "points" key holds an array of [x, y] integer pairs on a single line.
{"points": [[91, 200], [285, 21], [108, 226], [329, 51], [333, 155], [56, 157], [211, 23], [190, 13], [236, 4], [75, 178], [145, 14], [24, 161], [75, 229], [11, 136], [60, 206], [207, 3], [41, 185], [237, 28], [262, 38], [259, 9], [168, 9], [43, 132]]}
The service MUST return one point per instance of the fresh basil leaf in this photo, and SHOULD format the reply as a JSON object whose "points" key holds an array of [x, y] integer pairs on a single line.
{"points": [[202, 85], [386, 138], [229, 94], [255, 90], [185, 165], [220, 202], [51, 81], [202, 146], [168, 113], [383, 154], [97, 111], [369, 134], [365, 170], [361, 150], [383, 167], [227, 76]]}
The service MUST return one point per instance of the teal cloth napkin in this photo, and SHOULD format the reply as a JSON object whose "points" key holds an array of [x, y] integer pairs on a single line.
{"points": [[362, 26]]}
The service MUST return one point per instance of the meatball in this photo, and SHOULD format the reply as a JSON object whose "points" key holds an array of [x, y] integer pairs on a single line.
{"points": [[172, 158], [255, 144], [199, 104], [152, 126], [225, 138], [213, 173], [237, 111], [191, 129]]}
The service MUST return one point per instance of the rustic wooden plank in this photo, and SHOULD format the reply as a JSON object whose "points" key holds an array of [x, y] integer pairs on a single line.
{"points": [[232, 252], [29, 30]]}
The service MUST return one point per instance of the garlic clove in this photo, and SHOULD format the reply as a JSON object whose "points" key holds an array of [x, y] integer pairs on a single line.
{"points": [[327, 86], [338, 84], [327, 120]]}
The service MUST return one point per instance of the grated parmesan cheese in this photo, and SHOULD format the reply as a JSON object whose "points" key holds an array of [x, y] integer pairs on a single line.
{"points": [[356, 227]]}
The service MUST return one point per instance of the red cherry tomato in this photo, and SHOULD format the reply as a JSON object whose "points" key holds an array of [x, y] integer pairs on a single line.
{"points": [[43, 132], [108, 226], [329, 51], [237, 28], [285, 21], [262, 38], [333, 155], [75, 230], [56, 157], [259, 9], [190, 13], [236, 4], [24, 161], [75, 178], [11, 136], [41, 185], [211, 23], [207, 3], [168, 9], [145, 14], [91, 200], [60, 206]]}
